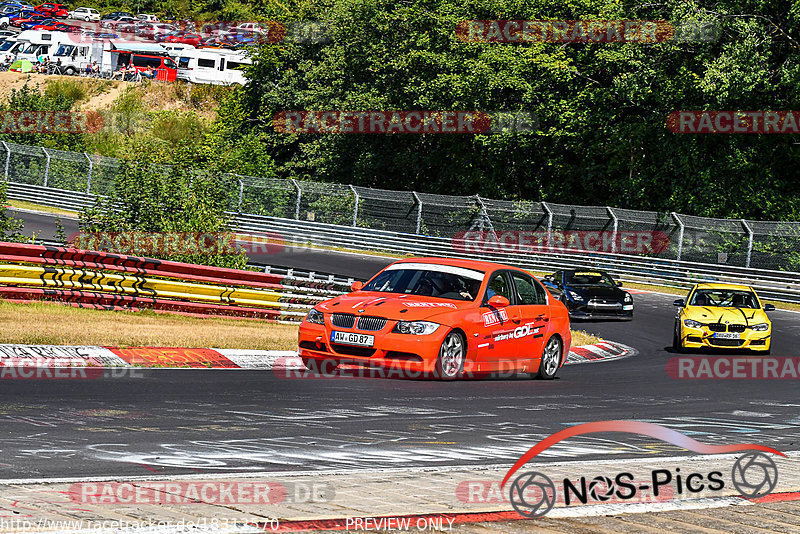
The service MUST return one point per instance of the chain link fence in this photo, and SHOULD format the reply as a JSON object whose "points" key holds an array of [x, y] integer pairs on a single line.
{"points": [[735, 242]]}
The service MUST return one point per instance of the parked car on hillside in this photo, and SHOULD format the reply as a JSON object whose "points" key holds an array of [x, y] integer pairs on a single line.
{"points": [[116, 15], [184, 38], [85, 13], [27, 16], [53, 10], [29, 25]]}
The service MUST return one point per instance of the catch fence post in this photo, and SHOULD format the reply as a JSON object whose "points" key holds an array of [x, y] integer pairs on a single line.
{"points": [[355, 208], [419, 211], [89, 176], [8, 157], [549, 213], [680, 234], [297, 204], [749, 242], [614, 232], [485, 217], [241, 193], [47, 166]]}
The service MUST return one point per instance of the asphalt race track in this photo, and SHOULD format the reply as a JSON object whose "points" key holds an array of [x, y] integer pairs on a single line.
{"points": [[185, 421]]}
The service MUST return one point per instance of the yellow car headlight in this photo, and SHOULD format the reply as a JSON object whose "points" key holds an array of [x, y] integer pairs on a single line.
{"points": [[760, 327], [691, 323]]}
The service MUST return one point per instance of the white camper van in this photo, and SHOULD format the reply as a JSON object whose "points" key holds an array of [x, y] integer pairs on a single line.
{"points": [[220, 67], [42, 43], [10, 48], [106, 52]]}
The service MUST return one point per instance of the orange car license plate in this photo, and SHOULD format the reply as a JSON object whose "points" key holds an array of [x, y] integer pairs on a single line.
{"points": [[351, 338]]}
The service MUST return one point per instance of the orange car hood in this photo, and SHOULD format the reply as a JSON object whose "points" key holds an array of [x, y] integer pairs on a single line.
{"points": [[393, 306]]}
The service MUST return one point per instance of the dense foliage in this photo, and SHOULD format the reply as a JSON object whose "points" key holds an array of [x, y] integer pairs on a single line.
{"points": [[168, 202], [602, 107], [10, 228]]}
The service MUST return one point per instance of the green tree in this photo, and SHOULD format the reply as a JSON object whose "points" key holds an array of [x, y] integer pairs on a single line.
{"points": [[10, 228], [165, 200]]}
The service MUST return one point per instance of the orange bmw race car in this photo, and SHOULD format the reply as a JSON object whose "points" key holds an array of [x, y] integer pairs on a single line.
{"points": [[441, 317]]}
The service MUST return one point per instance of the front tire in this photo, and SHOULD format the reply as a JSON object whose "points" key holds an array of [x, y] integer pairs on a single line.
{"points": [[551, 359], [677, 346], [450, 363]]}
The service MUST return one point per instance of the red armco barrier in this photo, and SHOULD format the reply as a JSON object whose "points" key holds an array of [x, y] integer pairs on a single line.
{"points": [[289, 306], [71, 257]]}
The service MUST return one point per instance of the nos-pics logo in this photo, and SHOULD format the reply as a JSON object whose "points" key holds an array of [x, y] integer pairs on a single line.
{"points": [[533, 494]]}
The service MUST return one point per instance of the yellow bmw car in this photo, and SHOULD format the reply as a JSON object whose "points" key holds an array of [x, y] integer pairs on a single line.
{"points": [[722, 316]]}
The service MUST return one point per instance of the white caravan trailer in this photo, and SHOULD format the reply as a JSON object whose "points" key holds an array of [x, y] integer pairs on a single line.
{"points": [[220, 67]]}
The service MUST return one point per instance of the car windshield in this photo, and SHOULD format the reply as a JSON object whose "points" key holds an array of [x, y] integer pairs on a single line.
{"points": [[439, 281], [588, 278], [6, 45], [724, 298], [64, 50]]}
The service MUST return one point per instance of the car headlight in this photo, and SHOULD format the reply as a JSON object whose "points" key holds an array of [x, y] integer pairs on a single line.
{"points": [[760, 327], [628, 297], [575, 296], [315, 317], [692, 323], [417, 328]]}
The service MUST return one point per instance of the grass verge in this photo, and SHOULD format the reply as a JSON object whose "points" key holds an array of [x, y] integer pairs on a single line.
{"points": [[38, 207], [50, 323]]}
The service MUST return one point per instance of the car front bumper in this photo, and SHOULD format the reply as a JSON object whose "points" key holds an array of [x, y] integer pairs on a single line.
{"points": [[584, 310], [703, 337], [415, 354]]}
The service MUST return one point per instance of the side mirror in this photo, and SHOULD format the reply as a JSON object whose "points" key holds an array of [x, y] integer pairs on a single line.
{"points": [[549, 278], [769, 307], [498, 301], [619, 284], [679, 303], [357, 285]]}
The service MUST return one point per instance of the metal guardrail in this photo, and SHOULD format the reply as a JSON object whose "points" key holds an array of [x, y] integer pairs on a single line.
{"points": [[738, 242], [111, 281], [776, 285]]}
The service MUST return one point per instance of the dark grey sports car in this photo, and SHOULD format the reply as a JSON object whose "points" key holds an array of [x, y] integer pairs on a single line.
{"points": [[590, 294]]}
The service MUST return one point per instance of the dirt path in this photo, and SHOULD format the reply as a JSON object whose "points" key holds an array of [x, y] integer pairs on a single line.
{"points": [[102, 92]]}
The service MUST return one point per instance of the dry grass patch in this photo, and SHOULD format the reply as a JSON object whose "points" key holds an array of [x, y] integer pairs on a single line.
{"points": [[50, 323], [46, 323], [581, 337]]}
